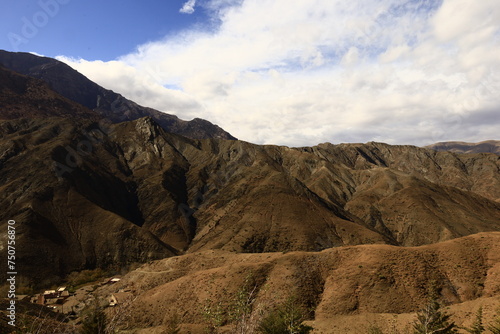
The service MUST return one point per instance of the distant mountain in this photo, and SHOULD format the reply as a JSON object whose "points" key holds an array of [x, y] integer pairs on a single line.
{"points": [[74, 86], [488, 146]]}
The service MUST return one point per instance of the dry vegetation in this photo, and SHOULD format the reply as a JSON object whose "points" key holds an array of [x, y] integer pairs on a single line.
{"points": [[340, 290]]}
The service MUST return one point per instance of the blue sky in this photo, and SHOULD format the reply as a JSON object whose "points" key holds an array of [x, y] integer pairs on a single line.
{"points": [[92, 29], [293, 73]]}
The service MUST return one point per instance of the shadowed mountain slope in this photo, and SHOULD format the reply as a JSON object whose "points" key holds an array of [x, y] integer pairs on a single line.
{"points": [[23, 96], [76, 87]]}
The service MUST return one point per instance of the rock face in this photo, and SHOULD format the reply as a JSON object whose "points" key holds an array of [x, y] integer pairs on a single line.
{"points": [[76, 87], [488, 146]]}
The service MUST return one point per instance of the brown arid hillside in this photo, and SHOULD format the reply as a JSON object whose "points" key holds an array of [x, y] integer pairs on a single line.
{"points": [[346, 289], [477, 173], [488, 146], [91, 194]]}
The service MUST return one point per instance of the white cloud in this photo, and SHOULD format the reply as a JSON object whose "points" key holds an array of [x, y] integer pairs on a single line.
{"points": [[188, 7], [135, 85], [315, 70]]}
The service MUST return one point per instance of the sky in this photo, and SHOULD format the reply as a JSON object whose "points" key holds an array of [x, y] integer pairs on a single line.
{"points": [[293, 73]]}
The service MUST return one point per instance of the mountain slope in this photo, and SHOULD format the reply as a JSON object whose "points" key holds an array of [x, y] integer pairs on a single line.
{"points": [[89, 193], [90, 220], [338, 285], [477, 173], [94, 194], [22, 96], [76, 87]]}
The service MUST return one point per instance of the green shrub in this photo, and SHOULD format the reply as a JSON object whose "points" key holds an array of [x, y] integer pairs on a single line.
{"points": [[287, 318], [215, 315]]}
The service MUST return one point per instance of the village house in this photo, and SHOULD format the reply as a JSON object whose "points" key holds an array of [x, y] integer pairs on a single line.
{"points": [[51, 297], [113, 280]]}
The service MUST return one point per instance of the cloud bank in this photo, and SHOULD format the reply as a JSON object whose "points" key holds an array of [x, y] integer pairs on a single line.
{"points": [[301, 73]]}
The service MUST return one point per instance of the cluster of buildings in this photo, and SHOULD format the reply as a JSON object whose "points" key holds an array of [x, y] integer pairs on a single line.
{"points": [[64, 301], [52, 297]]}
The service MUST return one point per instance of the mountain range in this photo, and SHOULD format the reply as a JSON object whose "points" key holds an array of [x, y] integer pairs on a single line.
{"points": [[488, 146], [91, 188]]}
